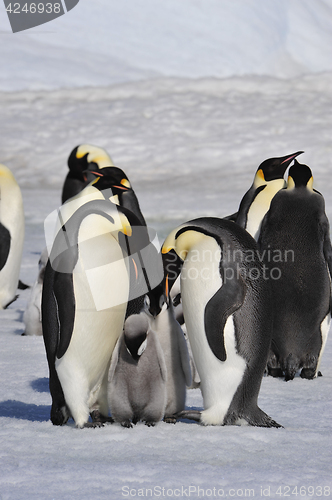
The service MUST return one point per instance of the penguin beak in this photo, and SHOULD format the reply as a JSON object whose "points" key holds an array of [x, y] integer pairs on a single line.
{"points": [[288, 159]]}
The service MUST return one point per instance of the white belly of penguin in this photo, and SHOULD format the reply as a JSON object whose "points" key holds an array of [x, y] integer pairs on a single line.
{"points": [[200, 280], [96, 326]]}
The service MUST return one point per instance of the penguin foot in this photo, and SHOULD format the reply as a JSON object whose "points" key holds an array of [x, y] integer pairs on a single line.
{"points": [[309, 373], [98, 417], [170, 420], [127, 424], [149, 423], [91, 425], [189, 414], [275, 372]]}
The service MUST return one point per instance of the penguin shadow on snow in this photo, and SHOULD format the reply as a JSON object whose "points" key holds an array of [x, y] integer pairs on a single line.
{"points": [[24, 411]]}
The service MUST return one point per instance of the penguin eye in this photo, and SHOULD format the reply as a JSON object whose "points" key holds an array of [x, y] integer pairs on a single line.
{"points": [[147, 301], [125, 183]]}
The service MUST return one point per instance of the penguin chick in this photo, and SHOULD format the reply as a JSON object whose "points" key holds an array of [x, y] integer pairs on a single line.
{"points": [[32, 313], [269, 179], [137, 376], [296, 227], [82, 158], [11, 236], [174, 346]]}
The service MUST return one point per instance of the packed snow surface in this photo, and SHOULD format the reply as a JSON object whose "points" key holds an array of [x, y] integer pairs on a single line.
{"points": [[188, 97]]}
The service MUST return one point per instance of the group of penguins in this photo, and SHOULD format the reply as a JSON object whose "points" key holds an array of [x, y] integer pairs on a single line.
{"points": [[129, 326]]}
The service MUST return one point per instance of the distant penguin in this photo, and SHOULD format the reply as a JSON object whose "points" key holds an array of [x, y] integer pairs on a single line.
{"points": [[122, 192], [227, 311], [269, 179], [137, 376], [296, 245], [82, 158], [32, 313], [11, 236], [174, 346], [85, 294]]}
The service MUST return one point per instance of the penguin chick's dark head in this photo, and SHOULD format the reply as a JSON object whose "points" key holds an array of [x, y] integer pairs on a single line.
{"points": [[156, 300], [110, 177], [300, 175], [135, 332], [275, 168]]}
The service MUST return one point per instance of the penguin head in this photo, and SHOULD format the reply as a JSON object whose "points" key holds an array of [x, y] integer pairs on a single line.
{"points": [[157, 300], [87, 157], [110, 177], [136, 329], [273, 168], [300, 176]]}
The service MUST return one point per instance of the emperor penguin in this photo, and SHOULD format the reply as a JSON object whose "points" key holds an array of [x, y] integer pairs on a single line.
{"points": [[32, 313], [296, 246], [268, 180], [83, 158], [11, 236], [137, 375], [174, 346], [227, 311], [122, 193], [84, 300]]}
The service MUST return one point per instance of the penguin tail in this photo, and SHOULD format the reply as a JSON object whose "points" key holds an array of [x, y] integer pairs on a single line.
{"points": [[258, 418], [290, 366]]}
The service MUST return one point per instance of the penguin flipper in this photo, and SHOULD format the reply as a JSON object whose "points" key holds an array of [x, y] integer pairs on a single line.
{"points": [[65, 299], [223, 303], [327, 250], [160, 357], [5, 245], [185, 359], [114, 359]]}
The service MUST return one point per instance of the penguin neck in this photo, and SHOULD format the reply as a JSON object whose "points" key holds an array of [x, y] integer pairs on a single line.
{"points": [[261, 205]]}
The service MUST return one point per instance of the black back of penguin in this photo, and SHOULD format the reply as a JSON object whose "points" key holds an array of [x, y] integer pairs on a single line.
{"points": [[297, 250]]}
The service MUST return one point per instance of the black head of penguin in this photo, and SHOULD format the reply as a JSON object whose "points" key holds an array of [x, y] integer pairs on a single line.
{"points": [[135, 333], [300, 175], [110, 177], [115, 179], [275, 168]]}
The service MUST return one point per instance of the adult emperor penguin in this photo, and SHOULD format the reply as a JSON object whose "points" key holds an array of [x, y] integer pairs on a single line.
{"points": [[226, 305], [296, 245], [174, 346], [32, 313], [11, 236], [122, 193], [82, 158], [137, 375], [85, 294], [269, 179]]}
